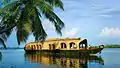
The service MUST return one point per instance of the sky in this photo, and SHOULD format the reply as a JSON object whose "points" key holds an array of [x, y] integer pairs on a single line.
{"points": [[96, 20]]}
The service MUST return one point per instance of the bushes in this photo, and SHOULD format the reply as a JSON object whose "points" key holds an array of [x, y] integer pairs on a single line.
{"points": [[112, 46]]}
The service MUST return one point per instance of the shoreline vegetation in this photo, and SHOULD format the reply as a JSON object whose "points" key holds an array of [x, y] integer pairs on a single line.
{"points": [[110, 46], [12, 48]]}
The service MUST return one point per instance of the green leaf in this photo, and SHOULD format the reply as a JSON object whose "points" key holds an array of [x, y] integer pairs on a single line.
{"points": [[26, 16], [2, 42], [56, 3], [37, 28]]}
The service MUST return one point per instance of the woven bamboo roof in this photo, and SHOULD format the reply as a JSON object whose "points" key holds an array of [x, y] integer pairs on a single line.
{"points": [[59, 39]]}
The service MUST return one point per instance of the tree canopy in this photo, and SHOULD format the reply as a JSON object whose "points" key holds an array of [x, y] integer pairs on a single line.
{"points": [[25, 16]]}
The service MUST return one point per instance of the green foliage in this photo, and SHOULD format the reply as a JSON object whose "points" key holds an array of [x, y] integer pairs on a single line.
{"points": [[26, 17], [2, 42], [112, 46], [108, 46]]}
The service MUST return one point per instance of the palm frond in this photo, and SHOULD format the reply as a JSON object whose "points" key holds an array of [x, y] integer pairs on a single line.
{"points": [[10, 14], [9, 8], [7, 24], [44, 7], [22, 35], [56, 3], [9, 17], [37, 28], [4, 36], [2, 42], [47, 11], [56, 21], [5, 2], [23, 31], [26, 16], [23, 26]]}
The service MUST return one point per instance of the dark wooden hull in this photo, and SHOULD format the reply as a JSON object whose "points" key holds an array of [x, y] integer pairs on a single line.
{"points": [[81, 51]]}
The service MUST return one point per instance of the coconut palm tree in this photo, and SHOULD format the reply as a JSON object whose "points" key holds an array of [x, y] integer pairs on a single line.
{"points": [[25, 16]]}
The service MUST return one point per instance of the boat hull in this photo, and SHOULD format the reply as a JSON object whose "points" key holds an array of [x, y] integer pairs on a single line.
{"points": [[65, 52]]}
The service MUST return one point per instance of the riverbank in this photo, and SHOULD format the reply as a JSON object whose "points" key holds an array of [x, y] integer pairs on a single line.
{"points": [[11, 48], [108, 46], [112, 46]]}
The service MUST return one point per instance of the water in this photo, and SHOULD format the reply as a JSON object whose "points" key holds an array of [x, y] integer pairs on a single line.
{"points": [[16, 58]]}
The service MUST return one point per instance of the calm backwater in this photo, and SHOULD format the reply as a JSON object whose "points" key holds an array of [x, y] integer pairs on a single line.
{"points": [[16, 58]]}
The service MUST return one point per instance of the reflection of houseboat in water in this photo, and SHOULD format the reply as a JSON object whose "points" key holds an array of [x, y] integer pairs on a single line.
{"points": [[62, 62], [66, 45]]}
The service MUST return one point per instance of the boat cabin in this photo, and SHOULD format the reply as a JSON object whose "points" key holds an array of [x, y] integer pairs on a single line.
{"points": [[58, 44]]}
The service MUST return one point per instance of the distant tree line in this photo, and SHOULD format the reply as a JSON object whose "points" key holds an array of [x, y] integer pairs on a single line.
{"points": [[108, 46], [112, 46]]}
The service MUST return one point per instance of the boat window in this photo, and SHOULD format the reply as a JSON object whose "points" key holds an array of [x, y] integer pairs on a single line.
{"points": [[32, 47], [72, 44], [53, 45], [82, 45], [63, 45], [40, 47], [37, 47], [50, 46]]}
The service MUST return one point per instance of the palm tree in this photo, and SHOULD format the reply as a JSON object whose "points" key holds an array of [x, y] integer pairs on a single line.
{"points": [[25, 16]]}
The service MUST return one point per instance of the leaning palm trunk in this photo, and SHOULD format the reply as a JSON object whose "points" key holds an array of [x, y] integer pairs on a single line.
{"points": [[25, 16]]}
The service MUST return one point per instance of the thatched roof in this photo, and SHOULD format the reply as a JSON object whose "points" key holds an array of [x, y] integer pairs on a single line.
{"points": [[59, 39]]}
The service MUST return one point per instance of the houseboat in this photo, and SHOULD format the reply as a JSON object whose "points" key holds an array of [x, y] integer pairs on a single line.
{"points": [[63, 45]]}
